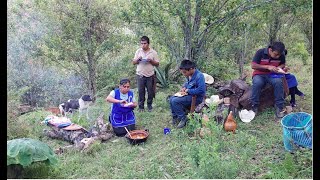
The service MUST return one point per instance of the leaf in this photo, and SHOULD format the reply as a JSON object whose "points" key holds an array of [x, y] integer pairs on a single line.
{"points": [[25, 151], [161, 77]]}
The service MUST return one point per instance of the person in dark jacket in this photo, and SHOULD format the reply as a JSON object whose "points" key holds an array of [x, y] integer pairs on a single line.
{"points": [[123, 104], [195, 85]]}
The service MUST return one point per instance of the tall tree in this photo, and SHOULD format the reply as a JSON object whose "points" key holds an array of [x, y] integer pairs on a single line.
{"points": [[82, 31], [195, 22], [282, 14]]}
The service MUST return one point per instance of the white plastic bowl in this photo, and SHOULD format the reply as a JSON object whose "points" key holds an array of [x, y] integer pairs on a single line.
{"points": [[246, 116]]}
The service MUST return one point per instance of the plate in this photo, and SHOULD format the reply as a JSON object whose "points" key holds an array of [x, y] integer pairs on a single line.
{"points": [[281, 71], [180, 94], [128, 104]]}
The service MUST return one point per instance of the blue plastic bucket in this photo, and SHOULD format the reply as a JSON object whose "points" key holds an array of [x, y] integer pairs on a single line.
{"points": [[297, 130]]}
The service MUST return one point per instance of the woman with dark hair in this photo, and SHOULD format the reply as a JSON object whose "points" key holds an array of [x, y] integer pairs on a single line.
{"points": [[292, 85], [123, 104], [291, 81]]}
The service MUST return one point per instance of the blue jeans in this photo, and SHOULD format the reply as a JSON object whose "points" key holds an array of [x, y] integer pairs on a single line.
{"points": [[179, 105], [259, 81]]}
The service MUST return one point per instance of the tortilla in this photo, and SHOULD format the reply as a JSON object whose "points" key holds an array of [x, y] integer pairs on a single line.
{"points": [[180, 94], [128, 104]]}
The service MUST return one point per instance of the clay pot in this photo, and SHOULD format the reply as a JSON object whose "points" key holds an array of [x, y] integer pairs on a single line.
{"points": [[230, 124], [137, 136]]}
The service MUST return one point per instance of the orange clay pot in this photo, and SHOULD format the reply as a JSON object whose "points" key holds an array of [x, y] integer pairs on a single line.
{"points": [[230, 124]]}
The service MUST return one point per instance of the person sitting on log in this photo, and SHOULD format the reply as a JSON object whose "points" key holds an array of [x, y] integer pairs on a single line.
{"points": [[292, 85], [122, 114], [195, 85], [266, 61]]}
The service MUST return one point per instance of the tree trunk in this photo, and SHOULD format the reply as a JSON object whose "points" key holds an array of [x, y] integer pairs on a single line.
{"points": [[274, 28], [243, 55], [92, 77], [186, 23], [307, 30], [91, 61], [195, 49]]}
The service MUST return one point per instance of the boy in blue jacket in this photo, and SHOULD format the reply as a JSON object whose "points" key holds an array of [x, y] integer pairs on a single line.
{"points": [[195, 85]]}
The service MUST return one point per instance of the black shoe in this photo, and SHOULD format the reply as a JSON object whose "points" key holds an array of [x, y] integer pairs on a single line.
{"points": [[174, 121], [182, 123], [279, 112], [149, 108], [141, 110]]}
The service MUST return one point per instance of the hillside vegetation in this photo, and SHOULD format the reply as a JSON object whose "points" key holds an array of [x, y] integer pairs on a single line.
{"points": [[60, 50]]}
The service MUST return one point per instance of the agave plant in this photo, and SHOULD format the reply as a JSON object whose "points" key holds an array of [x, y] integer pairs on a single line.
{"points": [[162, 76]]}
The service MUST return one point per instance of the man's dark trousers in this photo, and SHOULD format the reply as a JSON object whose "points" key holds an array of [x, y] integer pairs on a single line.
{"points": [[143, 84]]}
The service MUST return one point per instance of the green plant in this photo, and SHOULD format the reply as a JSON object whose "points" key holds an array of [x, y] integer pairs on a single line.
{"points": [[218, 68], [286, 169], [25, 151], [161, 76], [300, 50]]}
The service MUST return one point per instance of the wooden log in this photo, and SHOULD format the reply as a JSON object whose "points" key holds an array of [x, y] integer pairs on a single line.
{"points": [[73, 136], [234, 91], [239, 86], [81, 138], [244, 100], [234, 100], [266, 97], [225, 91]]}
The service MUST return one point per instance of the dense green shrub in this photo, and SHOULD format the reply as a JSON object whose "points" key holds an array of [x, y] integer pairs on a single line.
{"points": [[300, 51], [220, 69]]}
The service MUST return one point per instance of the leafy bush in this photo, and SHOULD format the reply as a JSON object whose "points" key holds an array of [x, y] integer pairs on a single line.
{"points": [[110, 73], [218, 68], [26, 125], [13, 102], [300, 50]]}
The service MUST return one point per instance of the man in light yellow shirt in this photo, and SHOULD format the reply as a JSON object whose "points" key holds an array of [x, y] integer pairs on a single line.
{"points": [[145, 59]]}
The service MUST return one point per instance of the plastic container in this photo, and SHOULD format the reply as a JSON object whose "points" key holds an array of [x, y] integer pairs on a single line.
{"points": [[166, 131], [297, 130]]}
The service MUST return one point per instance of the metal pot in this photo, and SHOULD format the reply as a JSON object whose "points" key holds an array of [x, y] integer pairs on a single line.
{"points": [[137, 136]]}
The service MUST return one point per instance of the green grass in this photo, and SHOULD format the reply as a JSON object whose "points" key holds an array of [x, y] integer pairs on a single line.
{"points": [[255, 151]]}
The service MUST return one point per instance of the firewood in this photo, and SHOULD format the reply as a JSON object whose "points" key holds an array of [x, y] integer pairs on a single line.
{"points": [[80, 138], [87, 142]]}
